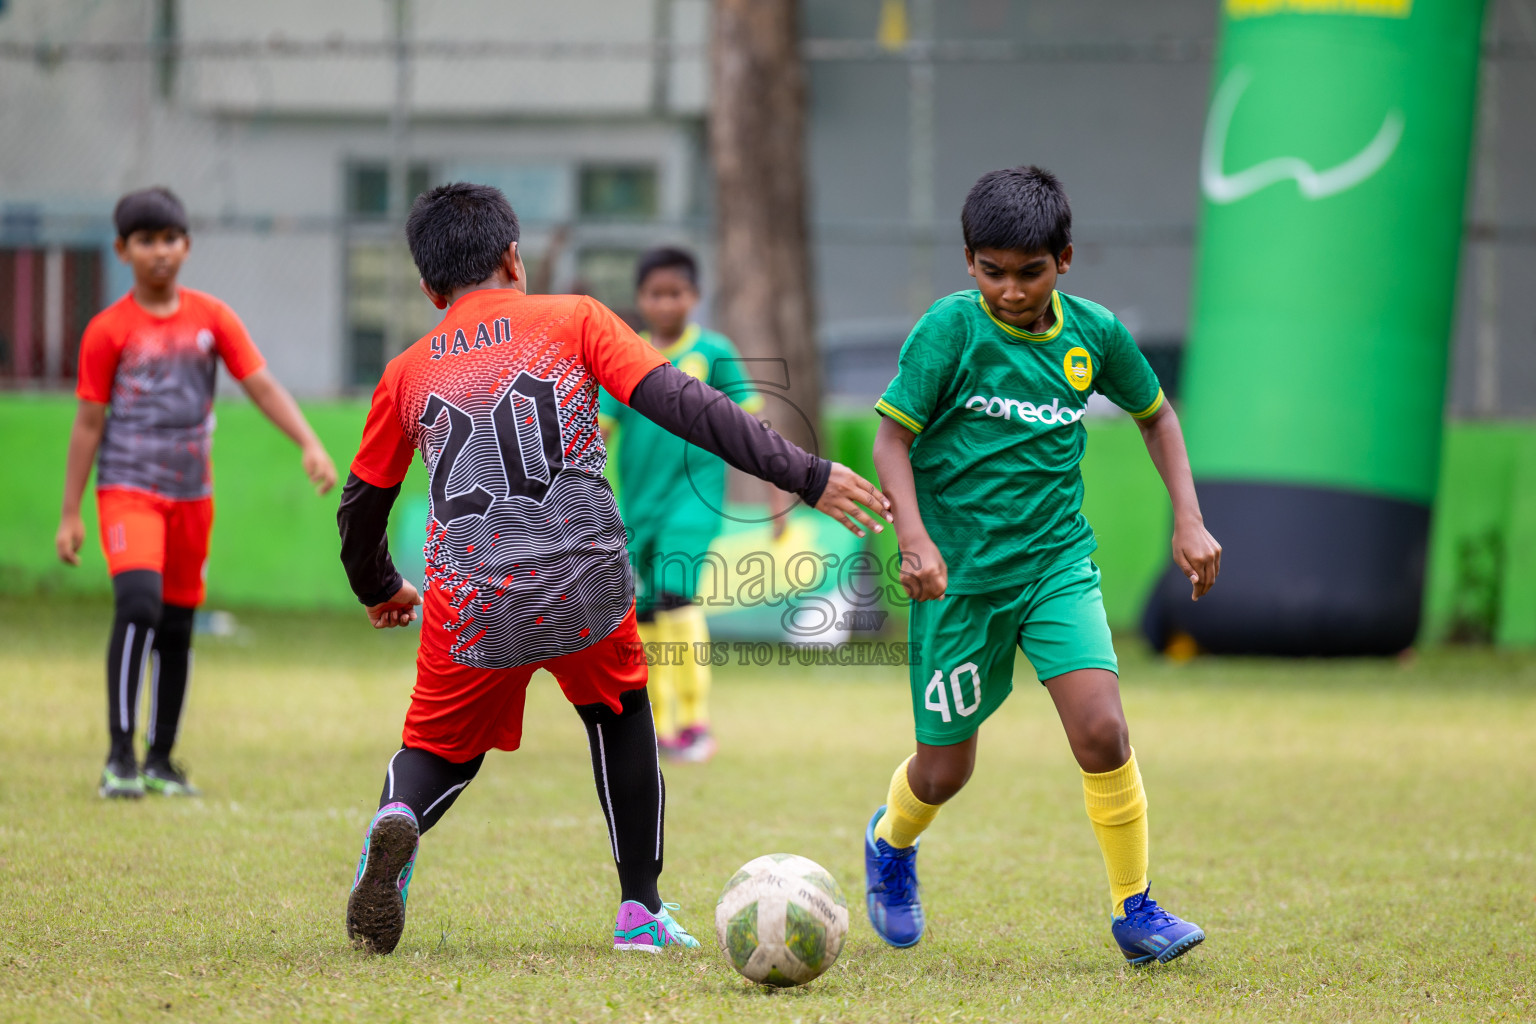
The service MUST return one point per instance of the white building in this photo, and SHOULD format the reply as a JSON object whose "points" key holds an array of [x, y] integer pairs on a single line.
{"points": [[274, 122]]}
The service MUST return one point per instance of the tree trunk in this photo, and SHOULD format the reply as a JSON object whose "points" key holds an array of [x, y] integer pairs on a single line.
{"points": [[757, 145]]}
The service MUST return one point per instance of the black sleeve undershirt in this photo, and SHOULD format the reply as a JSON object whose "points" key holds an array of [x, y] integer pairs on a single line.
{"points": [[701, 415], [363, 519]]}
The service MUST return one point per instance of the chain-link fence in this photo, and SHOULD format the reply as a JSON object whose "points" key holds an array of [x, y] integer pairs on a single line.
{"points": [[296, 133]]}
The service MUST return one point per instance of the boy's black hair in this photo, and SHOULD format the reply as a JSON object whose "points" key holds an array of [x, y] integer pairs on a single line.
{"points": [[458, 234], [149, 209], [667, 257], [1018, 208]]}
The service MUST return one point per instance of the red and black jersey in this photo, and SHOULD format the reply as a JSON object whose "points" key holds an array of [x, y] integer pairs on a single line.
{"points": [[156, 374], [525, 550]]}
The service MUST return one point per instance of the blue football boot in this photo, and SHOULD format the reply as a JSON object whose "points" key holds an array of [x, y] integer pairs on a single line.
{"points": [[1147, 932], [890, 881]]}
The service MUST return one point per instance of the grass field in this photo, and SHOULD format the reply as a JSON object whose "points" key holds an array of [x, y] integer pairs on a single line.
{"points": [[1356, 838]]}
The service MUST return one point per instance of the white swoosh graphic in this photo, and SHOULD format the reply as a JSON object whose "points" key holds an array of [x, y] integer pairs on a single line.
{"points": [[1224, 188]]}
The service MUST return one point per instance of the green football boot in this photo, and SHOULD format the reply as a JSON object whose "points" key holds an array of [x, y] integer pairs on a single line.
{"points": [[162, 776], [120, 778]]}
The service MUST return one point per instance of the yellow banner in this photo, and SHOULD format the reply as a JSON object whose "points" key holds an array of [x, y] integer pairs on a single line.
{"points": [[1367, 8]]}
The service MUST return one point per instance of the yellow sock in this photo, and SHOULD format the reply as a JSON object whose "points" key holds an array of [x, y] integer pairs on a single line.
{"points": [[1117, 806], [905, 815], [688, 625], [662, 682]]}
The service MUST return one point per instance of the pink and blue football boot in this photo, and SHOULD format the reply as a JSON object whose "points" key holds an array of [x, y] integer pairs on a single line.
{"points": [[890, 886], [1147, 932], [638, 928], [376, 908]]}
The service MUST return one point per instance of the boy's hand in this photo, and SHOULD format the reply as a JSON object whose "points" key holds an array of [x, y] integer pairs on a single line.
{"points": [[1197, 554], [399, 610], [923, 571], [319, 468], [69, 538], [846, 497]]}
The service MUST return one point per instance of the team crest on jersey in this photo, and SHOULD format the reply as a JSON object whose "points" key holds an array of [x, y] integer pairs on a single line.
{"points": [[204, 341], [695, 365], [1078, 366]]}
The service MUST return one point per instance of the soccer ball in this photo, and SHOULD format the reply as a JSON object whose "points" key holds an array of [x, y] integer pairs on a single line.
{"points": [[781, 920]]}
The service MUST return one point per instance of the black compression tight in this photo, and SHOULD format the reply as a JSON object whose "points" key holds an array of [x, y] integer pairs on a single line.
{"points": [[624, 766], [148, 637], [426, 783], [631, 790]]}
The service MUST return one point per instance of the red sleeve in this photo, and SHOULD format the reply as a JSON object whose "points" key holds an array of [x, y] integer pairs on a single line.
{"points": [[99, 352], [385, 455], [619, 357], [234, 343]]}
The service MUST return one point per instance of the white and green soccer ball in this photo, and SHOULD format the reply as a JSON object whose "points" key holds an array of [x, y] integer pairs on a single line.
{"points": [[781, 920]]}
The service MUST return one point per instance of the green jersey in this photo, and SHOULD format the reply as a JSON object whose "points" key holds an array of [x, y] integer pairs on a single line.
{"points": [[665, 483], [998, 414]]}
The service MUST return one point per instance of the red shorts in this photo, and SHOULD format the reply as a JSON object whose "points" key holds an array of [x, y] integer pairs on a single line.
{"points": [[459, 712], [140, 530]]}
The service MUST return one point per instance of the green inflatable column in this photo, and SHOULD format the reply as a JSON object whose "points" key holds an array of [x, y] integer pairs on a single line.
{"points": [[1333, 173]]}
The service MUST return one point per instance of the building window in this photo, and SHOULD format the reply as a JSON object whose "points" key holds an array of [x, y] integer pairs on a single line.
{"points": [[541, 193], [368, 191], [47, 296], [368, 188], [167, 38], [385, 310], [608, 275], [365, 355], [618, 192]]}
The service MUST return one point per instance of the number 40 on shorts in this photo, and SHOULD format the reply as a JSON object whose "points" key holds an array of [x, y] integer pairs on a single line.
{"points": [[937, 697]]}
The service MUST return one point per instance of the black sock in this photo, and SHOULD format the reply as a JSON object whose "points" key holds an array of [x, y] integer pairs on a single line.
{"points": [[171, 668], [135, 618], [426, 783], [631, 790]]}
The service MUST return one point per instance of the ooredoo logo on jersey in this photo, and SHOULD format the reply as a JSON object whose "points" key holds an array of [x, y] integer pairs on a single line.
{"points": [[1051, 415]]}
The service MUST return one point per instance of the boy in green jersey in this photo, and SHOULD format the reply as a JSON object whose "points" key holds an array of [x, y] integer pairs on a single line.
{"points": [[978, 452], [671, 495]]}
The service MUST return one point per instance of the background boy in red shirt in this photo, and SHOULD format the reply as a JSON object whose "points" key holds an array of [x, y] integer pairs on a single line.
{"points": [[148, 365]]}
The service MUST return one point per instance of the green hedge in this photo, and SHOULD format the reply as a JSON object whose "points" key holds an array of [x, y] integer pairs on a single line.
{"points": [[274, 540]]}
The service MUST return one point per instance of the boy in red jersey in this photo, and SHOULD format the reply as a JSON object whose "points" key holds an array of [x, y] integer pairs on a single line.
{"points": [[526, 559], [150, 360]]}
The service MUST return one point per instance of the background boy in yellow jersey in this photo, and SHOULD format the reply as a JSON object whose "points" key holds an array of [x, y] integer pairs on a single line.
{"points": [[978, 452], [671, 495]]}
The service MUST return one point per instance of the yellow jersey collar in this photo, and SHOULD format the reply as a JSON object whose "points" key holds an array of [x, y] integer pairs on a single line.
{"points": [[1015, 332], [684, 341]]}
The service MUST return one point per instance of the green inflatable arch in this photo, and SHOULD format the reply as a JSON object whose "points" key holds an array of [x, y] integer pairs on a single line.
{"points": [[1333, 173]]}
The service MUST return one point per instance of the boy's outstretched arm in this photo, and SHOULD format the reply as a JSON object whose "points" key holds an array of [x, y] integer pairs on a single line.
{"points": [[701, 415], [278, 406], [363, 519], [924, 573], [1195, 551], [84, 439]]}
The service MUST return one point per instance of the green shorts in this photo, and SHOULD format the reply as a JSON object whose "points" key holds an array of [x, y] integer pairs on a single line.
{"points": [[962, 668], [673, 559]]}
